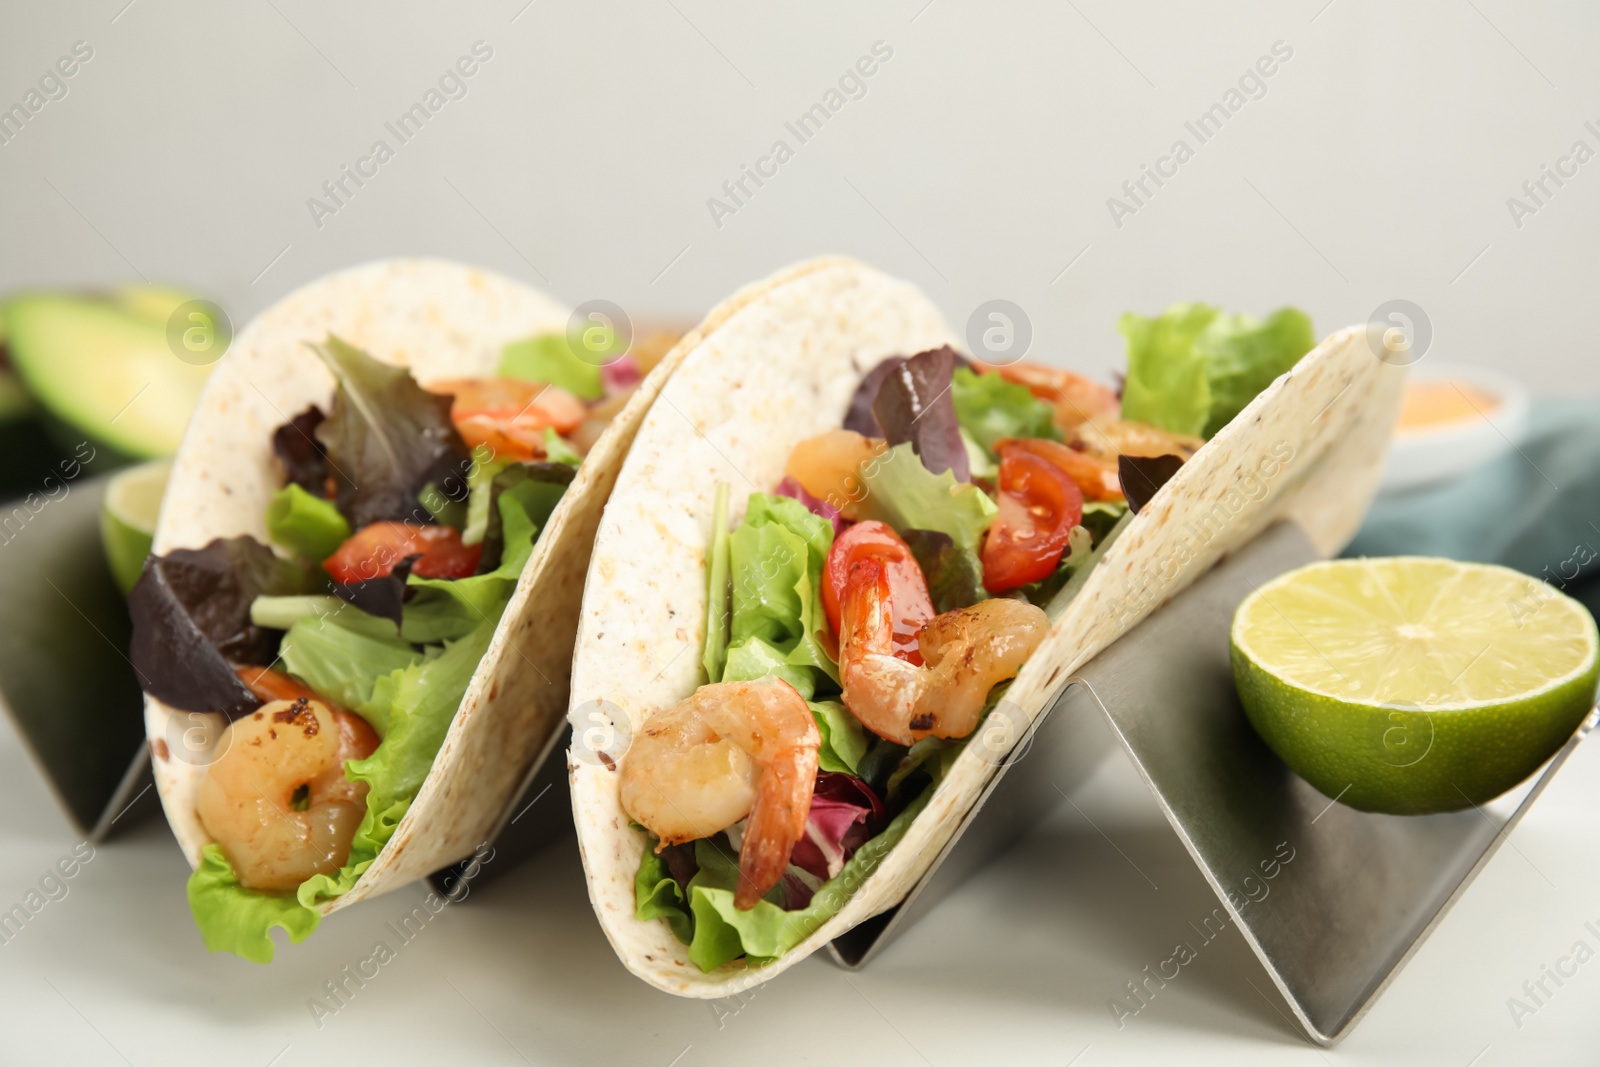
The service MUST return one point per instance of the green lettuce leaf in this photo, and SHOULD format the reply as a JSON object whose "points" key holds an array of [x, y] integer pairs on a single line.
{"points": [[657, 896], [1192, 368], [307, 525], [444, 609], [718, 592], [723, 933], [754, 658], [989, 408], [418, 703], [906, 495], [559, 450], [340, 656], [844, 741], [548, 358], [776, 557], [236, 920]]}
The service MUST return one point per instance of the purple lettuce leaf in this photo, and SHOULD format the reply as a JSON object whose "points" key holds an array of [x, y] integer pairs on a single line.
{"points": [[191, 621], [304, 458], [914, 404]]}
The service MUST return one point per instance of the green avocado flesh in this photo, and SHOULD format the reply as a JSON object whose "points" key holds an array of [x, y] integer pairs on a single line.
{"points": [[104, 367]]}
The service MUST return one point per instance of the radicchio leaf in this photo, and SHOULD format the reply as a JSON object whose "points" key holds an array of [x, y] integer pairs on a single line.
{"points": [[620, 375], [383, 596], [1143, 476], [304, 458], [844, 815], [386, 438], [191, 622], [914, 404]]}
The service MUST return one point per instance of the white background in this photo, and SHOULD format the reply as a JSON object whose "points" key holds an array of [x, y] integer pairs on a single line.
{"points": [[979, 162]]}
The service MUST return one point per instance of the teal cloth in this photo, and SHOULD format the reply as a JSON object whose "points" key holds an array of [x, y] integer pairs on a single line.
{"points": [[1536, 508]]}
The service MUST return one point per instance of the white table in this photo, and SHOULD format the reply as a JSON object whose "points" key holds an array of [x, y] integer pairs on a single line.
{"points": [[1018, 966]]}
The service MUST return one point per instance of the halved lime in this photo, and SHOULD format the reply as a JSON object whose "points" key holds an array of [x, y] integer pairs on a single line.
{"points": [[1413, 685], [128, 518]]}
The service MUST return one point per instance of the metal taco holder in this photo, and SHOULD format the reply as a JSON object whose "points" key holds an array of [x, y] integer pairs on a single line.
{"points": [[65, 677], [1362, 892]]}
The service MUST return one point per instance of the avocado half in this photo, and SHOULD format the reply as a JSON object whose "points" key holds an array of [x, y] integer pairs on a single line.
{"points": [[101, 367]]}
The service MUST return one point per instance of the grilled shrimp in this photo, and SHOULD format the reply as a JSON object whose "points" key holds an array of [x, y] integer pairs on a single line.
{"points": [[277, 801], [1106, 439], [732, 750], [965, 653]]}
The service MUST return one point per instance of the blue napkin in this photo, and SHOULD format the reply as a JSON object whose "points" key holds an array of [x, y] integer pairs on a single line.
{"points": [[1536, 508]]}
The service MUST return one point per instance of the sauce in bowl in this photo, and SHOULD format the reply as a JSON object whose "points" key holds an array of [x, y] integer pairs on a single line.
{"points": [[1432, 405]]}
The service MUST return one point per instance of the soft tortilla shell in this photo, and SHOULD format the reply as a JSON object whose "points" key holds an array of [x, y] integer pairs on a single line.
{"points": [[778, 363], [442, 320]]}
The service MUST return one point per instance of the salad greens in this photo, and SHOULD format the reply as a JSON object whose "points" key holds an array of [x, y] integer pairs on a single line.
{"points": [[1193, 368], [990, 408], [550, 358], [306, 525], [408, 693], [386, 438], [398, 649], [908, 496]]}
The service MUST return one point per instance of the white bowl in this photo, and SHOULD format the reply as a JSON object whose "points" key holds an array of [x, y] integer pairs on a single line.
{"points": [[1425, 456]]}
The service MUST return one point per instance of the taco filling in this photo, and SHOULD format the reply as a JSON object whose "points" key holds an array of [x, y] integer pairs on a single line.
{"points": [[867, 615], [339, 654]]}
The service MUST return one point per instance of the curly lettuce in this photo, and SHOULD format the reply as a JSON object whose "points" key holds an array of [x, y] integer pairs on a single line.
{"points": [[1192, 368]]}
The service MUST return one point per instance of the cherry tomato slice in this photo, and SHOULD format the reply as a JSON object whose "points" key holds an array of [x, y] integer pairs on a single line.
{"points": [[375, 550], [909, 601], [510, 415], [1039, 505], [1096, 477]]}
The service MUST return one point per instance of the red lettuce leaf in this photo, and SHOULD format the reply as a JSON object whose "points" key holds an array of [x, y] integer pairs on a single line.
{"points": [[859, 417], [914, 404], [384, 596], [386, 438], [304, 458], [844, 815], [1143, 476], [191, 622], [954, 575]]}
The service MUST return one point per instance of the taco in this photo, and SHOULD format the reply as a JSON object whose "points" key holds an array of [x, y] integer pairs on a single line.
{"points": [[844, 567], [355, 631]]}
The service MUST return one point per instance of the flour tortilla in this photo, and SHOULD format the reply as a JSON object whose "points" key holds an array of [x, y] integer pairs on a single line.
{"points": [[442, 320], [778, 363]]}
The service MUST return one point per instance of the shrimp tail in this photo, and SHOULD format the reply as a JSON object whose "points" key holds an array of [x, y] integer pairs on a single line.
{"points": [[777, 821]]}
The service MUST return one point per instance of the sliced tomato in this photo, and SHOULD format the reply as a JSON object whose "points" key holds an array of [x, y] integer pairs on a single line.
{"points": [[1039, 505], [1095, 476], [375, 550], [510, 415], [909, 601]]}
